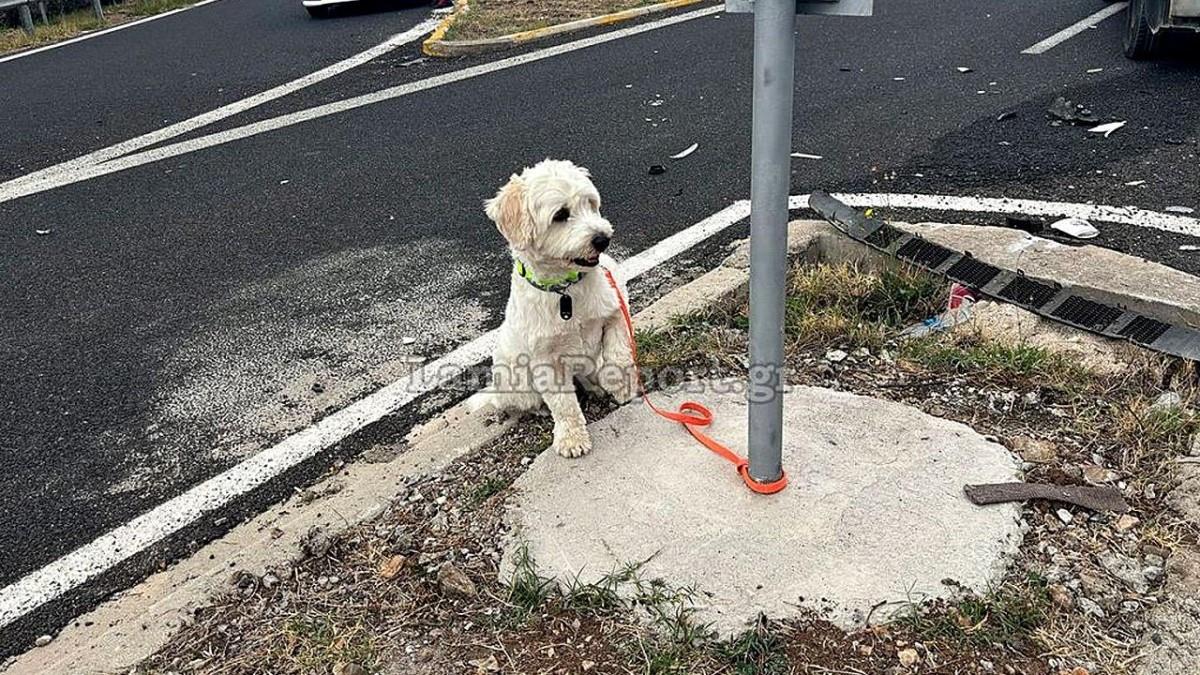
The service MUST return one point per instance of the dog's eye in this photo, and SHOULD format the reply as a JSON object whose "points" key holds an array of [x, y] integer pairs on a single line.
{"points": [[562, 215]]}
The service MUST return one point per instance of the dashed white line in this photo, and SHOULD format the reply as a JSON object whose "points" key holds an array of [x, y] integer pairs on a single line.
{"points": [[68, 173], [1076, 28], [54, 174], [98, 33]]}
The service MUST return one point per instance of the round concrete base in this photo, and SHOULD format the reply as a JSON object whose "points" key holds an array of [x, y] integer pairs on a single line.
{"points": [[875, 512]]}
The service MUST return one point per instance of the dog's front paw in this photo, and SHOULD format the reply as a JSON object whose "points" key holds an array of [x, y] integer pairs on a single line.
{"points": [[574, 443], [624, 392]]}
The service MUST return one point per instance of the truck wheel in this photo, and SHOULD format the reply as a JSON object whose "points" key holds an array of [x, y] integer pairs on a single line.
{"points": [[1140, 42]]}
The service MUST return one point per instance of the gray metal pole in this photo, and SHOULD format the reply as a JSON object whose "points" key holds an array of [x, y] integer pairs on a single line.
{"points": [[26, 18], [774, 69]]}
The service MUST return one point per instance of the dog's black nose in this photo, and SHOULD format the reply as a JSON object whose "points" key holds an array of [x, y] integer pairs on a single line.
{"points": [[600, 242]]}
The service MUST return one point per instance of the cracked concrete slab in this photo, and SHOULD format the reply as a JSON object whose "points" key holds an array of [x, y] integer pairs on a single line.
{"points": [[874, 514]]}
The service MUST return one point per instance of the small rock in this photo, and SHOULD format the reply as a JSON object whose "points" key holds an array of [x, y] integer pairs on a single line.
{"points": [[1194, 449], [392, 567], [488, 665], [1032, 398], [455, 582], [1098, 475], [1130, 606], [408, 340], [1060, 596], [1089, 607], [269, 580], [1065, 516], [349, 669], [908, 657], [1153, 574], [1150, 492], [1034, 450], [587, 665], [318, 388], [1126, 523], [43, 640], [1124, 569], [1167, 400], [835, 356]]}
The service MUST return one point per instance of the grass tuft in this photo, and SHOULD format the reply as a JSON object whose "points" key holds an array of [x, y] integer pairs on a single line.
{"points": [[493, 18], [1008, 615], [758, 651]]}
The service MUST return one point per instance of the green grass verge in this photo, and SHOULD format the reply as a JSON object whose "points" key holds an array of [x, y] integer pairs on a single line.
{"points": [[493, 18], [66, 25]]}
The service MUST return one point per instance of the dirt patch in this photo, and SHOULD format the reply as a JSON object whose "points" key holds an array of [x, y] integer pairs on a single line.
{"points": [[493, 18]]}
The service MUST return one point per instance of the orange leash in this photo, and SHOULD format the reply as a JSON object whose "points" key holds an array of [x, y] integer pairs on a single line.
{"points": [[692, 415]]}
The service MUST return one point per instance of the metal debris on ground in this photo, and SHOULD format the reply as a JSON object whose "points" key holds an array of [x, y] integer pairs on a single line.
{"points": [[1093, 498], [686, 151], [1069, 112], [1107, 129], [1075, 227]]}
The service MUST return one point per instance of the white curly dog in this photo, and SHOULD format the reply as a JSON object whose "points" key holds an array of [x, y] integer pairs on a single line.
{"points": [[563, 322]]}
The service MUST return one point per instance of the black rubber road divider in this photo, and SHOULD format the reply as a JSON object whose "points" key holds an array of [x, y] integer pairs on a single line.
{"points": [[1044, 297]]}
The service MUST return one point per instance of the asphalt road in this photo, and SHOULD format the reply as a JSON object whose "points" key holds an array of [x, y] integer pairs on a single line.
{"points": [[185, 313]]}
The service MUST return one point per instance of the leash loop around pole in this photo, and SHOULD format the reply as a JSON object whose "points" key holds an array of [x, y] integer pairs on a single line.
{"points": [[692, 415]]}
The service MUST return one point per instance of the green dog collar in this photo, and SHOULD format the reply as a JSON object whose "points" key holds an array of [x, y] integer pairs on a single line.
{"points": [[557, 284]]}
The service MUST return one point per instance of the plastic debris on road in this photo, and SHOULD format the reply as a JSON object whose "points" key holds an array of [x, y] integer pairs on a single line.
{"points": [[1069, 112], [805, 155], [1189, 247], [1107, 129], [1179, 209], [1135, 183], [1075, 227], [963, 69], [685, 152], [958, 310]]}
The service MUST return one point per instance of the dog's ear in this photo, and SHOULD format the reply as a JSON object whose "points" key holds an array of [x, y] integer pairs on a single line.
{"points": [[507, 210]]}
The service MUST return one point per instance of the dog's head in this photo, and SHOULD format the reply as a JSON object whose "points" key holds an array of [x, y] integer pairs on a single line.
{"points": [[550, 215]]}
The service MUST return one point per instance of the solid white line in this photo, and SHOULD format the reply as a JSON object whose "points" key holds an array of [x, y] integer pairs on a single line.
{"points": [[98, 33], [1075, 29], [49, 179], [1125, 215], [63, 171], [116, 546]]}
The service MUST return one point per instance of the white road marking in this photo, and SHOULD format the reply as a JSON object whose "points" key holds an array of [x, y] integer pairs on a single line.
{"points": [[98, 33], [72, 167], [86, 562], [1075, 29], [70, 172], [1125, 215]]}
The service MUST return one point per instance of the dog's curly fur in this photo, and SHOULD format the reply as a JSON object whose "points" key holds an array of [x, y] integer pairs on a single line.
{"points": [[550, 216]]}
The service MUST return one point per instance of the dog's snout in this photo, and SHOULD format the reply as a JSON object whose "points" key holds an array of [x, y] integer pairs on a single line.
{"points": [[600, 242]]}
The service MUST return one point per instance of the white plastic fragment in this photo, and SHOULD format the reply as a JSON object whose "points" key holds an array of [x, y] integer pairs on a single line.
{"points": [[963, 69], [1108, 128], [685, 152], [1075, 227], [1189, 247], [1093, 71], [805, 155], [1135, 183], [1179, 209]]}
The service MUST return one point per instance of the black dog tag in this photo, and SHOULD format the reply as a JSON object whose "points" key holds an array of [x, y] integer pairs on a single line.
{"points": [[565, 309]]}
